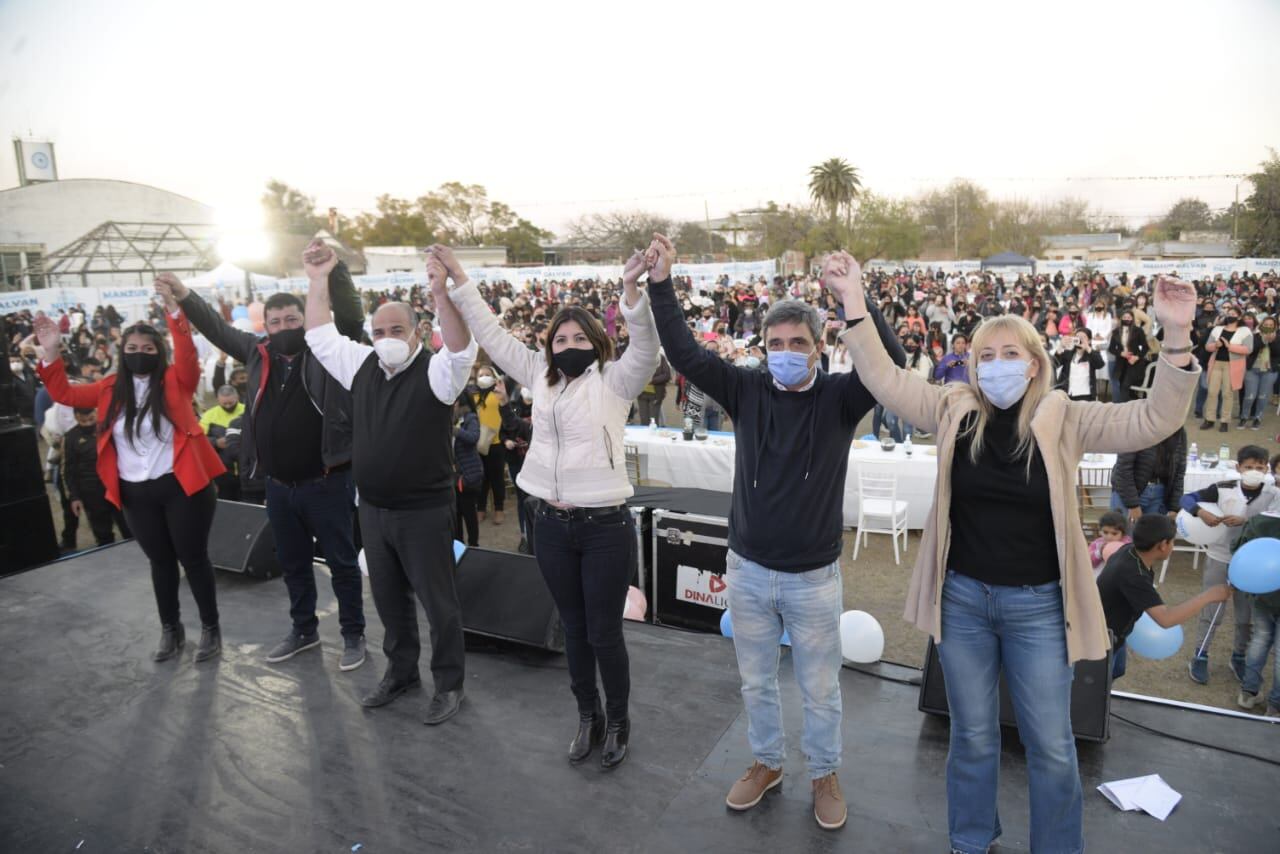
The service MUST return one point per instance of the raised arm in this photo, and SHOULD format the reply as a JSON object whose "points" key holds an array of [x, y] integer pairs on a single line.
{"points": [[508, 353], [1138, 424], [234, 342], [348, 316], [905, 392], [53, 371], [713, 375], [629, 375], [451, 367], [186, 364], [341, 357]]}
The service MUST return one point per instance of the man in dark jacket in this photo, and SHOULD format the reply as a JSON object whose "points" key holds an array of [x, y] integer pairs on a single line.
{"points": [[84, 488], [296, 433], [794, 426]]}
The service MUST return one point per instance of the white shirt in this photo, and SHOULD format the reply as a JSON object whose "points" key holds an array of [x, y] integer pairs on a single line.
{"points": [[144, 456], [1078, 378], [448, 372]]}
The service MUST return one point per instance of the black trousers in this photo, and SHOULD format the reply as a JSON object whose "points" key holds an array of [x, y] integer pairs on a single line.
{"points": [[70, 521], [411, 552], [495, 474], [587, 566], [467, 515], [104, 517], [172, 526]]}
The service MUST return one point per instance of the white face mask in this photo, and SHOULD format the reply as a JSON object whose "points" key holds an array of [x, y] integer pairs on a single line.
{"points": [[393, 352], [485, 382], [1253, 479]]}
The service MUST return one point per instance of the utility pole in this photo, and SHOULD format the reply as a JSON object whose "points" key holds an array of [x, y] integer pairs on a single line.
{"points": [[955, 198], [1235, 216], [706, 214]]}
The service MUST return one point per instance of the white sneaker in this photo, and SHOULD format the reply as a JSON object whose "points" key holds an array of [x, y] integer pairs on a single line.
{"points": [[1246, 700]]}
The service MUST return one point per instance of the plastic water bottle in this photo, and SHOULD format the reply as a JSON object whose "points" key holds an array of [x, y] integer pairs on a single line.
{"points": [[653, 425], [1193, 456], [1224, 454], [906, 445]]}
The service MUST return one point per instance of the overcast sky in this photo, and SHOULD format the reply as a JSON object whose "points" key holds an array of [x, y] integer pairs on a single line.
{"points": [[564, 108]]}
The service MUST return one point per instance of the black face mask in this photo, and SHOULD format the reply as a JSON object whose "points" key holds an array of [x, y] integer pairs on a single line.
{"points": [[288, 342], [573, 361], [141, 363]]}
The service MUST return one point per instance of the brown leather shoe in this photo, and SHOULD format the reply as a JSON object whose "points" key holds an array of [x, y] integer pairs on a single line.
{"points": [[828, 803], [752, 786]]}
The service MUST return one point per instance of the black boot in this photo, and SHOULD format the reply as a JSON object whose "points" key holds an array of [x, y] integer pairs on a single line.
{"points": [[590, 733], [172, 639], [615, 743], [210, 643]]}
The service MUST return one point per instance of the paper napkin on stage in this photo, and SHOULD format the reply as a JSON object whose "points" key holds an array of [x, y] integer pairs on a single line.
{"points": [[1150, 794]]}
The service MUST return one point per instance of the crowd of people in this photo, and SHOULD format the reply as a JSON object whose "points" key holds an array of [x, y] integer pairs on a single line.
{"points": [[329, 420]]}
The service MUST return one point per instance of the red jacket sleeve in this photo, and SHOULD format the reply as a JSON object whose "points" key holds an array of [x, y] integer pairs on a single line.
{"points": [[186, 365], [54, 376]]}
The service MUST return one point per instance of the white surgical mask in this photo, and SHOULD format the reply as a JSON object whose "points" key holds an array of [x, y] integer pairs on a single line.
{"points": [[1253, 479], [393, 352], [485, 381]]}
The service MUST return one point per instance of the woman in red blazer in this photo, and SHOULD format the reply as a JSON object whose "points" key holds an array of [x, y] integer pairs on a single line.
{"points": [[154, 460]]}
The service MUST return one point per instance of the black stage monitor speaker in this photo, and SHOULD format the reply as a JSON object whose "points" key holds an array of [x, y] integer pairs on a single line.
{"points": [[504, 596], [242, 541], [1090, 696], [27, 537]]}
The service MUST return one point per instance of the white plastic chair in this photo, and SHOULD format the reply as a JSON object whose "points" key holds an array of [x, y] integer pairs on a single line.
{"points": [[878, 500], [1195, 551]]}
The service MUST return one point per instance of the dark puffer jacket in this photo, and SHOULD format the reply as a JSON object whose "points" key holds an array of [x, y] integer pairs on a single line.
{"points": [[1134, 471], [465, 455]]}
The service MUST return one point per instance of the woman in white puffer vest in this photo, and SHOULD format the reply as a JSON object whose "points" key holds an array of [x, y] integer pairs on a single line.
{"points": [[583, 534]]}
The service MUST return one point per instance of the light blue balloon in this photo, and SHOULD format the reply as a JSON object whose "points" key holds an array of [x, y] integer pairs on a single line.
{"points": [[1255, 567], [459, 549], [1149, 640], [870, 437], [726, 624]]}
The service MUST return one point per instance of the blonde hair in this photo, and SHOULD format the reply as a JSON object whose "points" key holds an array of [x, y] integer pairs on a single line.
{"points": [[1040, 385]]}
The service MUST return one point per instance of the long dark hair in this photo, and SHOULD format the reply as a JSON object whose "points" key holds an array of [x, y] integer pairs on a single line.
{"points": [[594, 331], [122, 398]]}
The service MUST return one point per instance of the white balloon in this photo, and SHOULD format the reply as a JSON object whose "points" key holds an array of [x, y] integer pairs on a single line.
{"points": [[364, 563], [1192, 529], [861, 638]]}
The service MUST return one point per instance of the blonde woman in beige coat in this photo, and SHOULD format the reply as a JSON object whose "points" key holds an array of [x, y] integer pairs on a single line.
{"points": [[1003, 580]]}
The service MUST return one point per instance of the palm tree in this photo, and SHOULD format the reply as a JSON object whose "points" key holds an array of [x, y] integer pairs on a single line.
{"points": [[834, 184]]}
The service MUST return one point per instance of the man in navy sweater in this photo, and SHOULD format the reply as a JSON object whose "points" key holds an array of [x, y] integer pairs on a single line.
{"points": [[793, 425]]}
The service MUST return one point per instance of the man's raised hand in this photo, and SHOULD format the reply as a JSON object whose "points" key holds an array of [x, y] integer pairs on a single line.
{"points": [[635, 267], [842, 275], [175, 286], [437, 275], [450, 262], [48, 339], [318, 260], [660, 257]]}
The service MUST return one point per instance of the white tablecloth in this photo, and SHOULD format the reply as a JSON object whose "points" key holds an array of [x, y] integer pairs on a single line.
{"points": [[709, 464]]}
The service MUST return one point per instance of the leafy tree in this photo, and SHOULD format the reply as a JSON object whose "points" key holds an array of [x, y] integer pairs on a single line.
{"points": [[290, 210], [620, 231], [692, 238], [1260, 224], [937, 212], [398, 222], [1187, 215], [522, 239], [884, 228], [834, 184], [783, 228], [462, 213]]}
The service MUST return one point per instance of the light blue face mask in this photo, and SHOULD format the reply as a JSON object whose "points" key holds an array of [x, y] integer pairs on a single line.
{"points": [[1004, 381], [789, 368], [752, 362]]}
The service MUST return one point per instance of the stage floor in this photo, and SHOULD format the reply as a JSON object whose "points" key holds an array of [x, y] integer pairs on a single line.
{"points": [[99, 745]]}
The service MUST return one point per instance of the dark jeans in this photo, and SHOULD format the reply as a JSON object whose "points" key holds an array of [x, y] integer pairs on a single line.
{"points": [[411, 552], [104, 517], [495, 478], [467, 515], [319, 510], [1118, 659], [70, 521], [649, 407], [587, 566], [172, 526]]}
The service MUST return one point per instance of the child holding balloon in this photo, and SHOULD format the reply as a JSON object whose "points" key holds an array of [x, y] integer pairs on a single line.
{"points": [[1127, 588], [1266, 615]]}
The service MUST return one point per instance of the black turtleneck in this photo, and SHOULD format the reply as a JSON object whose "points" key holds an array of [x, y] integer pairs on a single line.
{"points": [[1001, 522]]}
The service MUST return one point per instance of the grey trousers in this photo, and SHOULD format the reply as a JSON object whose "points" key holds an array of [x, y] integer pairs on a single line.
{"points": [[411, 552], [1215, 572]]}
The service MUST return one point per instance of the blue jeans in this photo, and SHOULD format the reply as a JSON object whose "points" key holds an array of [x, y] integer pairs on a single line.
{"points": [[1119, 657], [763, 602], [319, 510], [985, 629], [1202, 394], [1257, 392], [889, 420], [1119, 393], [1266, 630], [1150, 500]]}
